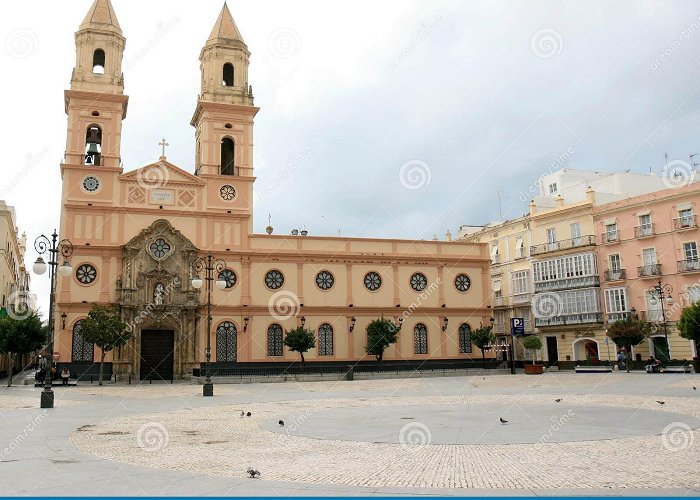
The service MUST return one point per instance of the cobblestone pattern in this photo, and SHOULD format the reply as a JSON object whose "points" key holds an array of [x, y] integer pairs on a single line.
{"points": [[217, 441]]}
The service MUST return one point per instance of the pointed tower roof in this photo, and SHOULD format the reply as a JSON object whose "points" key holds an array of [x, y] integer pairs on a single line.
{"points": [[225, 28], [101, 16]]}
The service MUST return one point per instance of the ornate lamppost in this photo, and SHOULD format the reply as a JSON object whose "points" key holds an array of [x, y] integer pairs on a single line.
{"points": [[52, 248], [662, 293], [208, 264]]}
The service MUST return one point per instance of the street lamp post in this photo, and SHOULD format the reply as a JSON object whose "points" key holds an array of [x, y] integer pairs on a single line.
{"points": [[662, 293], [208, 264], [52, 248]]}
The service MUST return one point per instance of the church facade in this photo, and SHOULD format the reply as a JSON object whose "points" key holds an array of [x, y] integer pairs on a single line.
{"points": [[137, 235]]}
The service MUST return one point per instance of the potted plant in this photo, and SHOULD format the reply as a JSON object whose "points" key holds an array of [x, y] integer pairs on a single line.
{"points": [[533, 343]]}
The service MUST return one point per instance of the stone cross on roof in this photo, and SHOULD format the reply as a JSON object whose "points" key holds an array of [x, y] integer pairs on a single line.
{"points": [[163, 143]]}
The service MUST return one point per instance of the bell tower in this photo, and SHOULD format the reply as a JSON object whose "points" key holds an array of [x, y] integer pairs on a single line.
{"points": [[224, 115], [95, 103]]}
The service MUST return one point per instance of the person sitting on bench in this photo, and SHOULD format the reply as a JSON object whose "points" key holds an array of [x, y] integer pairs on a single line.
{"points": [[653, 365]]}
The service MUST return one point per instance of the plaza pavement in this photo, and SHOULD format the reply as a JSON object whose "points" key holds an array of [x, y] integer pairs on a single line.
{"points": [[431, 436]]}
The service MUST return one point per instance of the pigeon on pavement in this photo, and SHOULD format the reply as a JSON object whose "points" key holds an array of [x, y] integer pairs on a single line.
{"points": [[503, 421], [558, 400], [252, 472], [661, 402], [281, 422]]}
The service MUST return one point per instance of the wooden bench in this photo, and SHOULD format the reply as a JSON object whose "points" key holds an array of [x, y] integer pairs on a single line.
{"points": [[677, 369]]}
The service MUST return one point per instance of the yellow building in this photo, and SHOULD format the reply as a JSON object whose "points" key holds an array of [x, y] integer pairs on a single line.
{"points": [[14, 279], [137, 234]]}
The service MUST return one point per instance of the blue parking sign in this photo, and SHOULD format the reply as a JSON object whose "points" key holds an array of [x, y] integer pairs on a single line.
{"points": [[517, 326]]}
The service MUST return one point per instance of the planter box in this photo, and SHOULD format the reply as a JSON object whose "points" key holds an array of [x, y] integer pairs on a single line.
{"points": [[534, 369]]}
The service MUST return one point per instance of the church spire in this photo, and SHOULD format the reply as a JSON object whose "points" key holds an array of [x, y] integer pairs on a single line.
{"points": [[225, 28], [101, 16]]}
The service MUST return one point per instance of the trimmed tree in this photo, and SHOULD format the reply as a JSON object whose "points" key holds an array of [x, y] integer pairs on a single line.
{"points": [[104, 328], [532, 343], [628, 332], [381, 333], [689, 323], [482, 337], [19, 337], [300, 340]]}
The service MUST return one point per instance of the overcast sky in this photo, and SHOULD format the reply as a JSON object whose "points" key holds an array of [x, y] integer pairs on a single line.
{"points": [[378, 118]]}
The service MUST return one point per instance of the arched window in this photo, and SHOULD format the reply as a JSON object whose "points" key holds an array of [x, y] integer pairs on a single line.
{"points": [[465, 342], [98, 62], [274, 340], [93, 145], [227, 80], [227, 155], [325, 340], [420, 339], [82, 350], [226, 342]]}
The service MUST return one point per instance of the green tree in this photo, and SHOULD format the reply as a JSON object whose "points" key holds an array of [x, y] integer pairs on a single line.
{"points": [[300, 340], [689, 323], [628, 332], [104, 328], [381, 333], [21, 336], [481, 338], [532, 343]]}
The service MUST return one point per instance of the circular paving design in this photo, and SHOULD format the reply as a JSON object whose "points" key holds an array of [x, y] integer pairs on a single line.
{"points": [[217, 441]]}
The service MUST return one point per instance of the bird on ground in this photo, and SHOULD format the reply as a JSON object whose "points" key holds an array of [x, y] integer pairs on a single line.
{"points": [[242, 414], [558, 400], [281, 422], [248, 414], [252, 472], [695, 388], [503, 421], [661, 402]]}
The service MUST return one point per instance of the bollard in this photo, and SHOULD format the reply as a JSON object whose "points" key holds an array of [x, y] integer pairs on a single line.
{"points": [[129, 379], [350, 375]]}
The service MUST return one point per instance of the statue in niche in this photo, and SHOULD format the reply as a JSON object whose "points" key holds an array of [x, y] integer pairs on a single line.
{"points": [[158, 294]]}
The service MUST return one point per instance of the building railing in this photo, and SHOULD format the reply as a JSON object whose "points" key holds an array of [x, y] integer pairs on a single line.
{"points": [[565, 283], [500, 301], [685, 222], [616, 316], [615, 275], [610, 237], [499, 328], [522, 298], [649, 270], [570, 319], [495, 259], [688, 266], [644, 231], [581, 241]]}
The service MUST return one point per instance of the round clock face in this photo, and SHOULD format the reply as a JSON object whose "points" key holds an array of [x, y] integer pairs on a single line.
{"points": [[91, 183]]}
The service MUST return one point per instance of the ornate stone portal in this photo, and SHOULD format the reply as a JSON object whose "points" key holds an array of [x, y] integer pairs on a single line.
{"points": [[154, 292]]}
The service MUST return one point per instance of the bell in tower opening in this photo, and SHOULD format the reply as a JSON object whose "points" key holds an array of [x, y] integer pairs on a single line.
{"points": [[93, 145]]}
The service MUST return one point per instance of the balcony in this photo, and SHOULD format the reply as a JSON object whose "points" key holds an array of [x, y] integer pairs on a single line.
{"points": [[495, 259], [499, 328], [566, 283], [644, 231], [500, 302], [610, 237], [616, 275], [581, 241], [617, 316], [649, 271], [688, 266], [685, 222], [570, 319], [522, 298]]}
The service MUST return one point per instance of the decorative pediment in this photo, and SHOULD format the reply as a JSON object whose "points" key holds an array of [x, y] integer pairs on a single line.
{"points": [[159, 175]]}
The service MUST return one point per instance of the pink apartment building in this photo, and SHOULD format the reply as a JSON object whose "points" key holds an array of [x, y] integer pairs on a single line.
{"points": [[649, 266]]}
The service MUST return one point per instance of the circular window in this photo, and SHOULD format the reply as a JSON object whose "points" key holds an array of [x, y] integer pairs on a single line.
{"points": [[373, 281], [419, 282], [91, 183], [86, 274], [462, 282], [325, 280], [160, 248], [229, 277], [227, 192], [274, 279]]}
